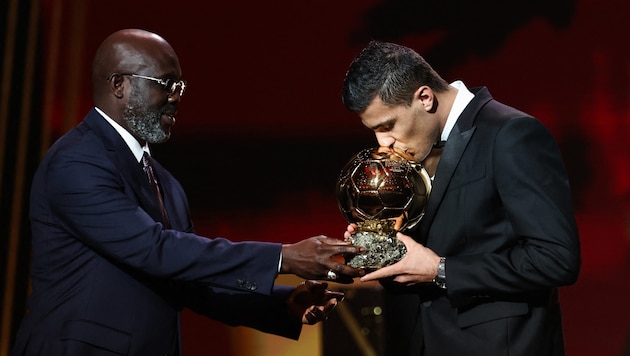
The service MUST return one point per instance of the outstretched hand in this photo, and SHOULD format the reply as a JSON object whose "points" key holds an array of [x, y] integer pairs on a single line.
{"points": [[320, 257], [311, 302]]}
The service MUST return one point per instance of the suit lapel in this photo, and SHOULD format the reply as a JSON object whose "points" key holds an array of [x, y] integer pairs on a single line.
{"points": [[119, 153], [455, 147], [453, 151]]}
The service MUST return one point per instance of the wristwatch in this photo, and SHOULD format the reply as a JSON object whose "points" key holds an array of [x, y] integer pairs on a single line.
{"points": [[440, 277]]}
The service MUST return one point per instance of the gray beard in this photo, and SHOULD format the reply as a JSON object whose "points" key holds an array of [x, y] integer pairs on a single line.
{"points": [[143, 122]]}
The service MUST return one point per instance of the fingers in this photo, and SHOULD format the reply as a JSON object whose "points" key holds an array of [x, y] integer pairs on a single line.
{"points": [[330, 305], [315, 286], [315, 314], [404, 238], [338, 296], [344, 270], [341, 273], [351, 228], [381, 273], [337, 247], [319, 289], [344, 280], [333, 241], [310, 317]]}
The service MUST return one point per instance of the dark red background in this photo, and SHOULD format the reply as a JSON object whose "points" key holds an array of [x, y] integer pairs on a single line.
{"points": [[262, 133]]}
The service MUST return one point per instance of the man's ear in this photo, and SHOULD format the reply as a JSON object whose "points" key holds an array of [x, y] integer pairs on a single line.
{"points": [[426, 97], [116, 83]]}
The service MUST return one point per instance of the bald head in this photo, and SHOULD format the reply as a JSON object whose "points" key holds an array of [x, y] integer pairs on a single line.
{"points": [[130, 51], [131, 73]]}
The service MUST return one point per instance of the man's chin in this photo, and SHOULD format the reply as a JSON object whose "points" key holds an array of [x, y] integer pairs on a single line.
{"points": [[163, 137], [159, 141]]}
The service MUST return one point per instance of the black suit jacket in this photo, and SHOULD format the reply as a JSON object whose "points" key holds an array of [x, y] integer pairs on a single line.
{"points": [[500, 210], [109, 280]]}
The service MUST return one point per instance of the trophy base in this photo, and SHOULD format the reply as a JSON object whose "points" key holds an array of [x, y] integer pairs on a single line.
{"points": [[379, 239]]}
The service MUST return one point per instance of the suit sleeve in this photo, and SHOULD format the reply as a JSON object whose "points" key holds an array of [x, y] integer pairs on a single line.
{"points": [[266, 313], [538, 243], [95, 202]]}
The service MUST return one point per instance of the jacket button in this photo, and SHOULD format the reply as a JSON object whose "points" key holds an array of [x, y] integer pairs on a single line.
{"points": [[246, 284]]}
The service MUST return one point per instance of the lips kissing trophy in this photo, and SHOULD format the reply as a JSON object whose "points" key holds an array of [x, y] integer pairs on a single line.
{"points": [[383, 191]]}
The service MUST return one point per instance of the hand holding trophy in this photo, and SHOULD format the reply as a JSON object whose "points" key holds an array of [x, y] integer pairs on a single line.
{"points": [[383, 191]]}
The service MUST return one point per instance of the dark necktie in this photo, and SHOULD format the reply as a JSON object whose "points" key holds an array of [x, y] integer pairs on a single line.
{"points": [[148, 170]]}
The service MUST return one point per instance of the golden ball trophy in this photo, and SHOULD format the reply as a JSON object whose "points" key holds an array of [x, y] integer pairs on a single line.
{"points": [[383, 191]]}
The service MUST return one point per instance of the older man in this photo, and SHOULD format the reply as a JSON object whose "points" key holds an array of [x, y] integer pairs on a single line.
{"points": [[114, 253]]}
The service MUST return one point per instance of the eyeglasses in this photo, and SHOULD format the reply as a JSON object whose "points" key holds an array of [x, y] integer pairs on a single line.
{"points": [[169, 85]]}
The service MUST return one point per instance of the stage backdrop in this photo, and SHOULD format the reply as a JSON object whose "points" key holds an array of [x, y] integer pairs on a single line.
{"points": [[262, 113]]}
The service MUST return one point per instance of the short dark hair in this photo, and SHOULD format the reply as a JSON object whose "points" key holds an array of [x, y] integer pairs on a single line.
{"points": [[391, 71]]}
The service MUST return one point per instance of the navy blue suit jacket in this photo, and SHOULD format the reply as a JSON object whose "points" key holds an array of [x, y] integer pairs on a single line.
{"points": [[500, 210], [109, 280]]}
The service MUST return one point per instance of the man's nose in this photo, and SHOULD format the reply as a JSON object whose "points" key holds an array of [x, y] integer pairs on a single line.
{"points": [[385, 140]]}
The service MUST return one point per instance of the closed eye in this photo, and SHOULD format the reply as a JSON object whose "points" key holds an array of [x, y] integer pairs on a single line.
{"points": [[385, 126]]}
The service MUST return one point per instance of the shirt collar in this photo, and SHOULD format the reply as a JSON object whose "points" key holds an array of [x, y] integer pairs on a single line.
{"points": [[131, 141], [463, 97]]}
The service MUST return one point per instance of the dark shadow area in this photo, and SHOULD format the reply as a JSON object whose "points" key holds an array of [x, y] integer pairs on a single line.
{"points": [[465, 27], [257, 172]]}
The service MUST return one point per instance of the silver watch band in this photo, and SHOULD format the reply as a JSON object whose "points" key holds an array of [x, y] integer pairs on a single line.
{"points": [[440, 277]]}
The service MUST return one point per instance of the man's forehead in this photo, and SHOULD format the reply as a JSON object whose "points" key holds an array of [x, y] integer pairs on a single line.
{"points": [[378, 114]]}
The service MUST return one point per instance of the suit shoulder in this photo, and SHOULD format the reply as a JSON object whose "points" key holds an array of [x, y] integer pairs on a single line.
{"points": [[80, 140], [500, 111]]}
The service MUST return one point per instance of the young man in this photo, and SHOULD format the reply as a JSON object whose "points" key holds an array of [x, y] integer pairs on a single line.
{"points": [[498, 236]]}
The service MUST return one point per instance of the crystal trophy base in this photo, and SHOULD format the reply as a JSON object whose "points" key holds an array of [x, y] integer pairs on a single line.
{"points": [[379, 239]]}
